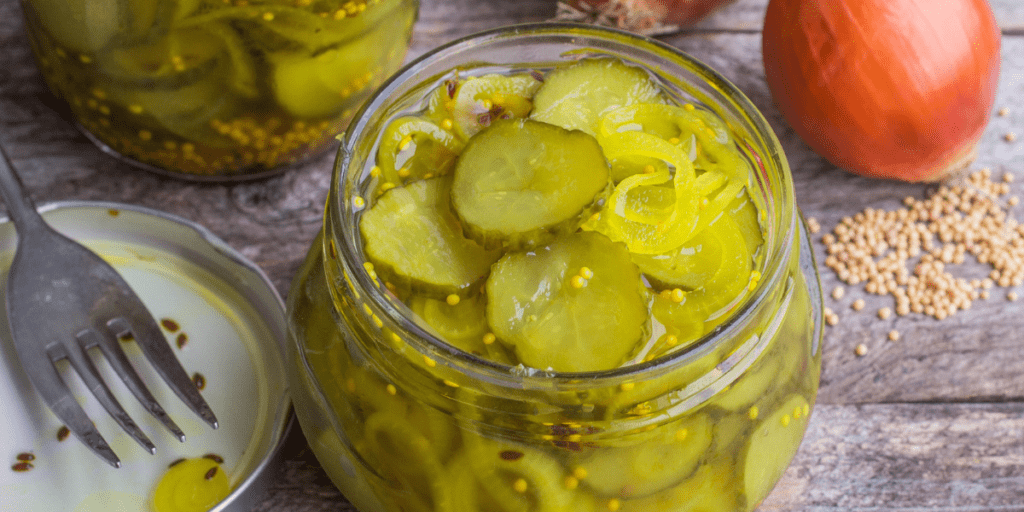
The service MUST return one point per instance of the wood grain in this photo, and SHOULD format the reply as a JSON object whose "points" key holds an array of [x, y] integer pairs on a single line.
{"points": [[933, 422]]}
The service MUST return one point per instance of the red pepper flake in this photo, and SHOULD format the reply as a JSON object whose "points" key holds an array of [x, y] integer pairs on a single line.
{"points": [[537, 75], [21, 467], [511, 455], [484, 119], [26, 457], [199, 380], [214, 457], [210, 474], [182, 340], [451, 86], [113, 212], [169, 324], [127, 338], [62, 433], [175, 462]]}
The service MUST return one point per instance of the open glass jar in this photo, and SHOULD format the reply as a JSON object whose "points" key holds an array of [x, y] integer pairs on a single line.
{"points": [[216, 90], [402, 420]]}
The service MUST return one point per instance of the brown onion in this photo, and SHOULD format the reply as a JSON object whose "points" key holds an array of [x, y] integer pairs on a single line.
{"points": [[898, 89], [647, 16]]}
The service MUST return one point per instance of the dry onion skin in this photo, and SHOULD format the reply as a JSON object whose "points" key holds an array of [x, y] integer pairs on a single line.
{"points": [[898, 89], [649, 17]]}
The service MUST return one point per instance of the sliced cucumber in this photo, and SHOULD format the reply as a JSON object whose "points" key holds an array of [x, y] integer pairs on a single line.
{"points": [[718, 294], [502, 466], [744, 213], [687, 267], [575, 97], [462, 325], [652, 465], [521, 183], [479, 101], [414, 240], [84, 26], [541, 306], [413, 148], [772, 447], [708, 490]]}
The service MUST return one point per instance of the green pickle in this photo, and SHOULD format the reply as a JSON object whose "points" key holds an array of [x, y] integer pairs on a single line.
{"points": [[217, 89], [571, 220]]}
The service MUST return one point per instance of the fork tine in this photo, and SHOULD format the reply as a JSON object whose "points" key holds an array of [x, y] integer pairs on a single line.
{"points": [[124, 369], [154, 345], [87, 371], [57, 396]]}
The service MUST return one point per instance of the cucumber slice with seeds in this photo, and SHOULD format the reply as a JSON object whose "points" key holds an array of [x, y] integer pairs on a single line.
{"points": [[575, 97], [772, 446], [479, 101], [521, 183], [541, 304], [651, 465], [414, 240], [687, 267]]}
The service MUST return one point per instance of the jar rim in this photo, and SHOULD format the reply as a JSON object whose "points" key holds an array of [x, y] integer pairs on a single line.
{"points": [[775, 265]]}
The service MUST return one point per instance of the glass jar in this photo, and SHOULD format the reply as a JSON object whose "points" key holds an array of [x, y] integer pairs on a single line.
{"points": [[212, 89], [402, 421]]}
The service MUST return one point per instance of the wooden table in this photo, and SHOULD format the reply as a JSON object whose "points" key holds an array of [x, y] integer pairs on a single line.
{"points": [[933, 422]]}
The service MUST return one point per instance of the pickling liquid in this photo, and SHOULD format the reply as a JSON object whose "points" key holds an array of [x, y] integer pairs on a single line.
{"points": [[212, 88], [571, 220]]}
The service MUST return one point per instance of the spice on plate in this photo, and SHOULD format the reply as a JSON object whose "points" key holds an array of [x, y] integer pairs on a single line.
{"points": [[894, 335], [62, 433], [861, 349]]}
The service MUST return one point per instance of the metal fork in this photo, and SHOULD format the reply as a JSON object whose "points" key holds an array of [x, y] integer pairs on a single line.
{"points": [[62, 301]]}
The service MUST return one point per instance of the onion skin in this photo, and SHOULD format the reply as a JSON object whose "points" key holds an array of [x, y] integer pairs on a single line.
{"points": [[644, 13], [898, 89]]}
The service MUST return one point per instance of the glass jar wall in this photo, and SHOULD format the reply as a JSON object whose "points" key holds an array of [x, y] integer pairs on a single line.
{"points": [[402, 420], [212, 89]]}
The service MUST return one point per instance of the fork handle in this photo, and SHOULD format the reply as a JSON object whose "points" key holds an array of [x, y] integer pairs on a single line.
{"points": [[19, 206]]}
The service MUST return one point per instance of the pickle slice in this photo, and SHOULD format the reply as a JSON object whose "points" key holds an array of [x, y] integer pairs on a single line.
{"points": [[479, 101], [651, 465], [515, 478], [463, 325], [415, 148], [83, 26], [687, 267], [414, 240], [542, 305], [772, 447], [721, 292], [710, 489], [575, 97], [520, 183]]}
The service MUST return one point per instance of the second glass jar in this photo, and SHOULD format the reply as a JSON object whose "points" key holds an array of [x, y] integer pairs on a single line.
{"points": [[217, 89]]}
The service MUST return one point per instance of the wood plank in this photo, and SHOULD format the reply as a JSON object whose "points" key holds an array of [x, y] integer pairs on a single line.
{"points": [[910, 457]]}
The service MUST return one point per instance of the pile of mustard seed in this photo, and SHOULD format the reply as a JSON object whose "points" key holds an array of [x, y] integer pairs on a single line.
{"points": [[905, 253]]}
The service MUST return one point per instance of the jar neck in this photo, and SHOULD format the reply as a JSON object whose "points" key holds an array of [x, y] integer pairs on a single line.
{"points": [[385, 323]]}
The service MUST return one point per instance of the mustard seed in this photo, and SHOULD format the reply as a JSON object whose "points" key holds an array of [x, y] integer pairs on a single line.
{"points": [[894, 335], [838, 292], [884, 313], [858, 305], [1012, 296], [861, 349]]}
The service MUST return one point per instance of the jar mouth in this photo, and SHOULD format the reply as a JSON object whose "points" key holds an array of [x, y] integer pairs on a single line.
{"points": [[771, 180]]}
